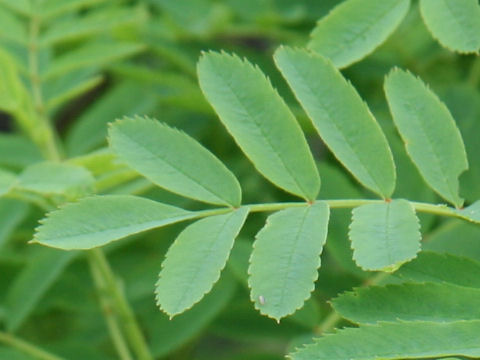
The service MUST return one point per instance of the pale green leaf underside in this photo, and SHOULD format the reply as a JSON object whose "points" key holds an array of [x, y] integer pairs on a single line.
{"points": [[260, 122], [353, 29], [443, 268], [285, 259], [341, 117], [411, 301], [454, 23], [98, 220], [431, 136], [400, 340], [384, 236], [194, 261], [50, 178], [173, 160]]}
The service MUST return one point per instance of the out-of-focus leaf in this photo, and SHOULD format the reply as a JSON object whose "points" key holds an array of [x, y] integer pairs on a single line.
{"points": [[98, 220], [341, 118], [242, 97], [90, 129], [17, 151], [50, 178], [194, 261], [12, 27], [173, 160], [285, 259], [384, 236], [454, 23], [55, 8], [92, 54], [442, 268], [32, 282], [12, 213], [91, 24], [7, 180], [355, 28]]}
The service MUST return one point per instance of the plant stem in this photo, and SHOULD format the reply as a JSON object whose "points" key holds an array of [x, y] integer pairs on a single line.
{"points": [[474, 75], [45, 136], [105, 302], [26, 347], [42, 133], [436, 209], [125, 313]]}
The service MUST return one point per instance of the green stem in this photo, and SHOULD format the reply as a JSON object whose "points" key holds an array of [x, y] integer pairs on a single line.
{"points": [[109, 315], [474, 75], [26, 347], [125, 313], [436, 209]]}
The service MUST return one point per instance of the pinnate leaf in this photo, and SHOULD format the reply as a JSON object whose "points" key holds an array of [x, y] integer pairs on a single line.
{"points": [[454, 23], [174, 161], [384, 235], [399, 340], [355, 28], [411, 301], [194, 261], [431, 136], [286, 257], [260, 122], [341, 117], [97, 220]]}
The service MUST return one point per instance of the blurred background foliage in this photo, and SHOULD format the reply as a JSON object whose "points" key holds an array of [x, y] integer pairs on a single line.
{"points": [[84, 63]]}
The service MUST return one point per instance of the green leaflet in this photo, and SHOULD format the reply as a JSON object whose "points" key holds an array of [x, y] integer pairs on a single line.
{"points": [[341, 117], [194, 261], [285, 259], [12, 213], [353, 29], [95, 54], [173, 160], [442, 268], [7, 180], [398, 340], [98, 220], [92, 23], [32, 282], [17, 151], [90, 129], [454, 23], [431, 136], [384, 236], [12, 91], [50, 178], [55, 8], [260, 122], [411, 302]]}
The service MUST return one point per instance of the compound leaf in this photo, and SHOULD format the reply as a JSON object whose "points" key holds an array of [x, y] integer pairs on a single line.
{"points": [[384, 235], [426, 301], [173, 160], [353, 29], [397, 340], [286, 257], [341, 117], [454, 23], [431, 136], [260, 122], [194, 261], [98, 220]]}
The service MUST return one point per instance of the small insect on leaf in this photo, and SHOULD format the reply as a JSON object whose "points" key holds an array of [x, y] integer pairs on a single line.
{"points": [[261, 300]]}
